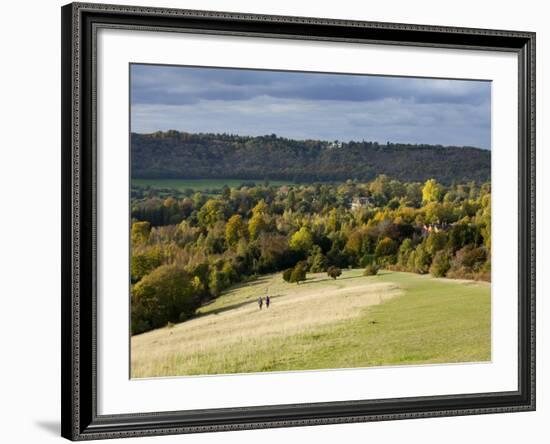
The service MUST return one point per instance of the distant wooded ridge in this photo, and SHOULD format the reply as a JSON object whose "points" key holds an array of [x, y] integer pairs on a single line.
{"points": [[181, 155]]}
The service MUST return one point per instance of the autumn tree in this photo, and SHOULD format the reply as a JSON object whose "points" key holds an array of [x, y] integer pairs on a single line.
{"points": [[235, 229], [257, 224], [302, 240], [211, 212], [432, 191], [140, 232]]}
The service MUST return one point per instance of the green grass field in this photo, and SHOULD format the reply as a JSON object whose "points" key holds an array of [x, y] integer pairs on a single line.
{"points": [[354, 321], [200, 184]]}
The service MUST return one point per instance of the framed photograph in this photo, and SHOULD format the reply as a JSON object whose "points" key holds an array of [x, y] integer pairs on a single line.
{"points": [[282, 221]]}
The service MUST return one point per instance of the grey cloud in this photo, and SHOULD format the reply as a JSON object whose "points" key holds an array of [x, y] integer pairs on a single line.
{"points": [[310, 105]]}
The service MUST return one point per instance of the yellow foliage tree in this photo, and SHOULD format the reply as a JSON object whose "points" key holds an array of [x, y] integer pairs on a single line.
{"points": [[432, 191]]}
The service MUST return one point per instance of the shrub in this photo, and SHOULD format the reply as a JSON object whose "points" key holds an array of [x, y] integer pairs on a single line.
{"points": [[334, 272], [371, 270], [299, 273], [367, 259], [484, 273], [287, 274], [469, 259]]}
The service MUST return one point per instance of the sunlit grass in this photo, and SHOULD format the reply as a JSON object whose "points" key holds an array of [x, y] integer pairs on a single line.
{"points": [[354, 321]]}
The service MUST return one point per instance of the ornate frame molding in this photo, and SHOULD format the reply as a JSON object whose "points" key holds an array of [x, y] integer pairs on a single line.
{"points": [[80, 22]]}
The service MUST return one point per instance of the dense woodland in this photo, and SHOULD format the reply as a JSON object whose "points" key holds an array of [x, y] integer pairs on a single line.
{"points": [[187, 247], [180, 155]]}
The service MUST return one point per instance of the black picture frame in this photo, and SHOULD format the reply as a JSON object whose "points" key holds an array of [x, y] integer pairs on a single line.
{"points": [[80, 420]]}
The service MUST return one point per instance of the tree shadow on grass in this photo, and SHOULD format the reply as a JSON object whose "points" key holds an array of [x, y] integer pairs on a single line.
{"points": [[258, 281], [237, 305], [327, 279]]}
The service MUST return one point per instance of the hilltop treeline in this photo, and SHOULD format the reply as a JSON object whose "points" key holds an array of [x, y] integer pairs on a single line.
{"points": [[180, 155], [187, 249]]}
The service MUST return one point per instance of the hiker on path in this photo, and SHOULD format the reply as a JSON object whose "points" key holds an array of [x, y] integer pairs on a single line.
{"points": [[267, 300], [260, 302]]}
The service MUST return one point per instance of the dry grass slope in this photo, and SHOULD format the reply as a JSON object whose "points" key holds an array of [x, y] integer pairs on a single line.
{"points": [[353, 321]]}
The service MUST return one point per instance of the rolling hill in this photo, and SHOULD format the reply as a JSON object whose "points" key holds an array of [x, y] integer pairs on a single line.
{"points": [[355, 321], [180, 155]]}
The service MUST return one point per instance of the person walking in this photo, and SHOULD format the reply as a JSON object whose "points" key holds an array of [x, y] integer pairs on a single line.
{"points": [[260, 302], [267, 301]]}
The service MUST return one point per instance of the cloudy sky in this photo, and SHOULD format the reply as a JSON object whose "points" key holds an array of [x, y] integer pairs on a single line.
{"points": [[311, 105]]}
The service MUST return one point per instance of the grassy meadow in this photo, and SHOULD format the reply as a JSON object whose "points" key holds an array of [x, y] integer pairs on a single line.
{"points": [[200, 184], [394, 318]]}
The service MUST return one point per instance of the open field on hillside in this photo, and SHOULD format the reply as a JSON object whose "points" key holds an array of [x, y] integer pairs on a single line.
{"points": [[201, 184], [354, 321]]}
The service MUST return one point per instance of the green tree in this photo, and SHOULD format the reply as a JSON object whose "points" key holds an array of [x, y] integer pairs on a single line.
{"points": [[144, 262], [381, 186], [413, 194], [290, 200], [405, 250], [216, 282], [411, 261], [438, 213], [161, 296], [386, 249], [462, 234], [441, 263], [435, 242], [317, 261], [485, 220], [422, 260]]}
